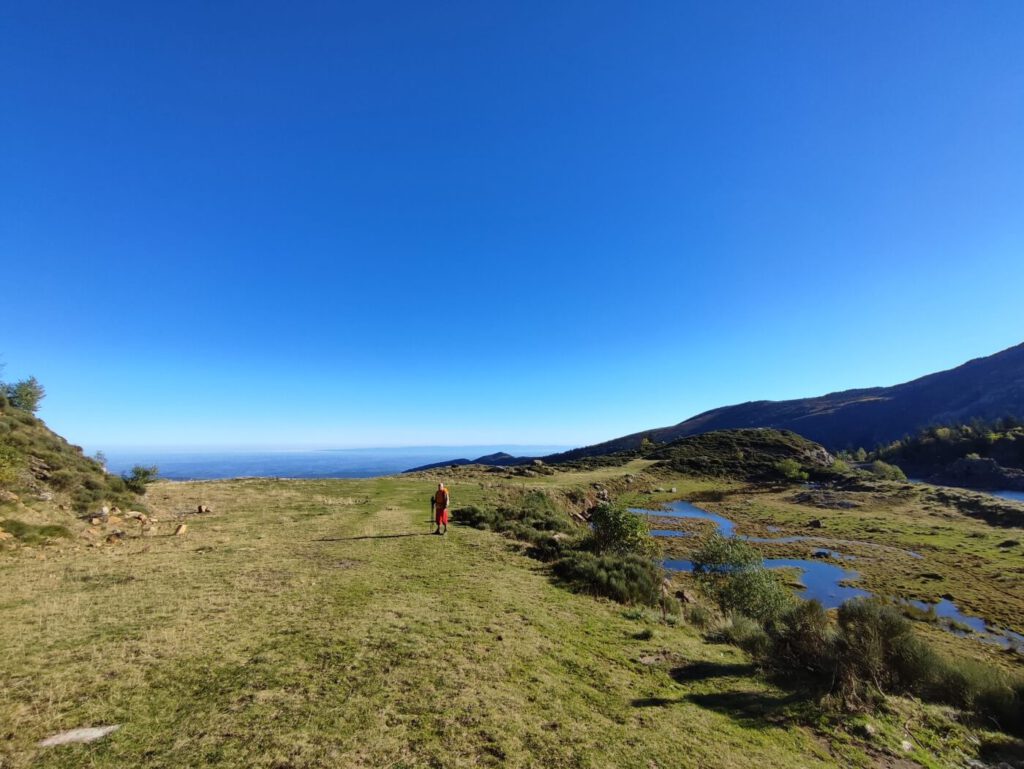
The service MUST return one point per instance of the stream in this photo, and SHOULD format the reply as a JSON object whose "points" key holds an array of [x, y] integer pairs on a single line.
{"points": [[826, 582]]}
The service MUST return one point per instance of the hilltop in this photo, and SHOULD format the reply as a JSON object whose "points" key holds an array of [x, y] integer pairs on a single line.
{"points": [[985, 388], [46, 482]]}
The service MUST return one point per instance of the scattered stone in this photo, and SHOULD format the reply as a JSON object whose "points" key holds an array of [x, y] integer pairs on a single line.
{"points": [[673, 489], [87, 734], [8, 496], [906, 746], [815, 524], [182, 530], [104, 511], [115, 510], [202, 509], [115, 536], [94, 521]]}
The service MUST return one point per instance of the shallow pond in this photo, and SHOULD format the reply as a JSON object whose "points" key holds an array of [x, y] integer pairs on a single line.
{"points": [[823, 581]]}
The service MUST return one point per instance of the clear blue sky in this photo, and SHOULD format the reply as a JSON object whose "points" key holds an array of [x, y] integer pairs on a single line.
{"points": [[364, 224]]}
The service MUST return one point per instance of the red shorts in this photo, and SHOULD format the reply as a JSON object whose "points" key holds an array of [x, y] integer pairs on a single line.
{"points": [[441, 516]]}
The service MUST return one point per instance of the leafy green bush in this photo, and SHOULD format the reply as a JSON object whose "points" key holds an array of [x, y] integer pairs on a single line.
{"points": [[731, 572], [885, 471], [139, 478], [791, 470], [626, 579], [616, 530]]}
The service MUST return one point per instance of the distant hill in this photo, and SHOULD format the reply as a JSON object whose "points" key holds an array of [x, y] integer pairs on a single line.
{"points": [[985, 388], [499, 459]]}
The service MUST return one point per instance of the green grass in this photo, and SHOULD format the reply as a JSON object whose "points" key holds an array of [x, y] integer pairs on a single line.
{"points": [[319, 624]]}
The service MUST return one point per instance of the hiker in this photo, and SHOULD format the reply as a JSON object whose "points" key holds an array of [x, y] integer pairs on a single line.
{"points": [[439, 504]]}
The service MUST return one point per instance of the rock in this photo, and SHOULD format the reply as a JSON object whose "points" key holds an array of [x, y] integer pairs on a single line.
{"points": [[113, 520], [182, 530], [88, 734], [104, 511], [947, 596], [820, 554], [815, 524], [45, 496], [202, 509], [115, 537], [673, 489], [94, 521], [115, 510], [5, 535], [684, 597], [538, 463], [906, 746], [8, 496], [868, 729]]}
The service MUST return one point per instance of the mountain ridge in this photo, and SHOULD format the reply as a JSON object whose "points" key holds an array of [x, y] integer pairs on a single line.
{"points": [[987, 387]]}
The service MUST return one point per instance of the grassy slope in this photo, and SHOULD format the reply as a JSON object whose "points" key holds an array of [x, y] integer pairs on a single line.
{"points": [[314, 623]]}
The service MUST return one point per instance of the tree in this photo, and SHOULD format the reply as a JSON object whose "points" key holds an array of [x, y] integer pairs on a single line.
{"points": [[139, 478], [25, 394]]}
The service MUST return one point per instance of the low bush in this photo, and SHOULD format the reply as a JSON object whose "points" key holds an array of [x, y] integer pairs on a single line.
{"points": [[627, 579], [731, 572], [803, 638], [885, 471], [616, 530], [33, 535], [746, 633]]}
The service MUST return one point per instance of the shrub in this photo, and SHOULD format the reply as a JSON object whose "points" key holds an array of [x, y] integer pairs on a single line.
{"points": [[791, 470], [11, 463], [33, 535], [139, 478], [63, 479], [885, 471], [731, 572], [746, 633], [699, 616], [626, 579], [874, 639], [617, 530], [803, 638]]}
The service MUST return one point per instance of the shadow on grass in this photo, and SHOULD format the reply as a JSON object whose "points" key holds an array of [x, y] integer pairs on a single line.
{"points": [[375, 536], [703, 671], [751, 708]]}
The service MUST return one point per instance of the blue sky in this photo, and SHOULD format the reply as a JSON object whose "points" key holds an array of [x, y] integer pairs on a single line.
{"points": [[342, 224]]}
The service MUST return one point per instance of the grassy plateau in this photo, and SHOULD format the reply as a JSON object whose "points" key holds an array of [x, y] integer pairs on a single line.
{"points": [[319, 623]]}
